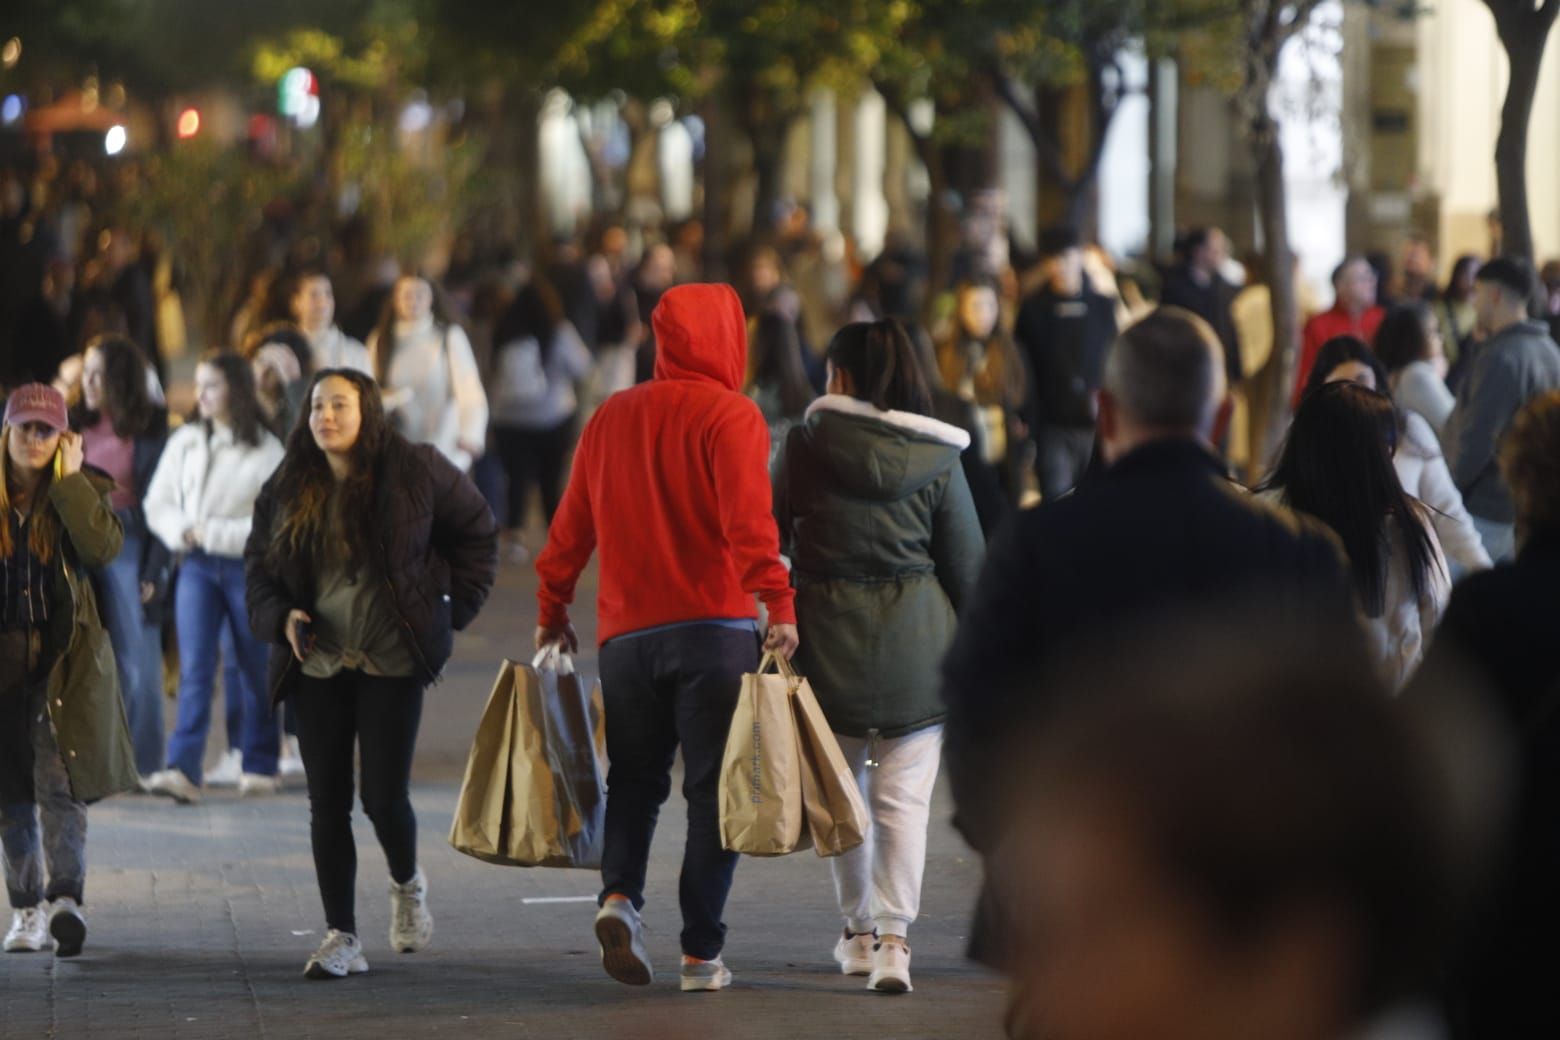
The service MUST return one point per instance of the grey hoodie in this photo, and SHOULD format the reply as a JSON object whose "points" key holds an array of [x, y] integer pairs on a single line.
{"points": [[1513, 367]]}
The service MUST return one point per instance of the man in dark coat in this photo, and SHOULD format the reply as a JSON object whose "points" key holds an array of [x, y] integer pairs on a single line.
{"points": [[1196, 284], [1162, 530]]}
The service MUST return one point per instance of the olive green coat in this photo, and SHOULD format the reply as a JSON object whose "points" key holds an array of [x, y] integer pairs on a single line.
{"points": [[885, 546], [83, 685]]}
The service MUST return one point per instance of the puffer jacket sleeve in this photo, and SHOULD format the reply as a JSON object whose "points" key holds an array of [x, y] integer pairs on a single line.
{"points": [[1459, 538], [957, 542], [167, 514], [94, 531], [466, 536], [265, 596]]}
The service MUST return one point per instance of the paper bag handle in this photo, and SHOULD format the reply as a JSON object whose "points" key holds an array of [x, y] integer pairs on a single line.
{"points": [[553, 658], [780, 665]]}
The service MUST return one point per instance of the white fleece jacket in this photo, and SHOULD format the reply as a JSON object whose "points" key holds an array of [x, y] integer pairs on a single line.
{"points": [[209, 482]]}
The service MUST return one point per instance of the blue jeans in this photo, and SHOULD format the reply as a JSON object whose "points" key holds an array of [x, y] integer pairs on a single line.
{"points": [[660, 690], [210, 597], [137, 651], [63, 845]]}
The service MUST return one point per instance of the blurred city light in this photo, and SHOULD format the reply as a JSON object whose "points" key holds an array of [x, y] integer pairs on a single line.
{"points": [[189, 123], [11, 53], [114, 140], [417, 115], [11, 109], [298, 97]]}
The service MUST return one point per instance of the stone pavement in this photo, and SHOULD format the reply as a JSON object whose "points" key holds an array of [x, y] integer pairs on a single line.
{"points": [[201, 918]]}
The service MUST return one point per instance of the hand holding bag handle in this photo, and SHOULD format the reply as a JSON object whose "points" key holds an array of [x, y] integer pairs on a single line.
{"points": [[553, 658]]}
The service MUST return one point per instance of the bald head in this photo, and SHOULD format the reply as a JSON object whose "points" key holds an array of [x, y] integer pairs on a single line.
{"points": [[1164, 378]]}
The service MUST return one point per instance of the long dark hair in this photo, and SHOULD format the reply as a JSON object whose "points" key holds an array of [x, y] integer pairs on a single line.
{"points": [[1336, 465], [383, 336], [535, 313], [881, 363], [1461, 265], [777, 362], [130, 407], [1404, 336], [1338, 351], [243, 403], [304, 483], [288, 335]]}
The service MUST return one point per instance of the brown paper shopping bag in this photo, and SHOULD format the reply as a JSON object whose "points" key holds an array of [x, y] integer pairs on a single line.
{"points": [[760, 778], [535, 792], [836, 813]]}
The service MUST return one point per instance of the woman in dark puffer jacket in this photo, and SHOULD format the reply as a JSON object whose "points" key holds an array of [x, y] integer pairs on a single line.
{"points": [[367, 553]]}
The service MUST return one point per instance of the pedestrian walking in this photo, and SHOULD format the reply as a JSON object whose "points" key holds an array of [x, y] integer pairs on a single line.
{"points": [[313, 304], [1354, 312], [1161, 529], [979, 362], [428, 374], [1502, 624], [1336, 466], [123, 433], [1408, 342], [670, 486], [877, 518], [201, 505], [63, 737], [538, 362], [1516, 362], [1420, 465], [366, 554], [283, 365], [1064, 330], [778, 380]]}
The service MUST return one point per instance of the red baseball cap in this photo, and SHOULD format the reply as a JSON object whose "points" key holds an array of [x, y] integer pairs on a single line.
{"points": [[37, 403]]}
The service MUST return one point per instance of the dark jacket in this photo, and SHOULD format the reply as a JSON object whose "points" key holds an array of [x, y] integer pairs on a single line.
{"points": [[1502, 623], [876, 516], [436, 550], [1508, 370], [1064, 341], [1163, 530], [85, 707], [1211, 303]]}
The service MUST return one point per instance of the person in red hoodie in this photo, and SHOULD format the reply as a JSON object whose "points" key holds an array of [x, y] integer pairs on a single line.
{"points": [[671, 487], [1354, 313]]}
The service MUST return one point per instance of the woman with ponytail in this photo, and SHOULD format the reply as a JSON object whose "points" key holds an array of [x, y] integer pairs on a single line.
{"points": [[876, 515]]}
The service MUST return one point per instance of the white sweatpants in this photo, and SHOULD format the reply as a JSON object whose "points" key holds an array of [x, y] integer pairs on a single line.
{"points": [[879, 882]]}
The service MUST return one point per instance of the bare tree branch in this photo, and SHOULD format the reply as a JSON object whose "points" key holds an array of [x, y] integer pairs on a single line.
{"points": [[1050, 153]]}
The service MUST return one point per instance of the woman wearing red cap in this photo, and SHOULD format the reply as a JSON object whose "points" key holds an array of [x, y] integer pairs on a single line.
{"points": [[63, 738]]}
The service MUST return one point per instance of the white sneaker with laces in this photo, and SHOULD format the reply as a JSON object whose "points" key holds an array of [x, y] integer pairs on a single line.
{"points": [[253, 785], [68, 927], [227, 770], [29, 930], [853, 953], [411, 925], [890, 968], [705, 976], [339, 955], [172, 783], [290, 765], [621, 933]]}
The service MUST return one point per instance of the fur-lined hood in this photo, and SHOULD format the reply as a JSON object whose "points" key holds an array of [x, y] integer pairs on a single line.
{"points": [[877, 454]]}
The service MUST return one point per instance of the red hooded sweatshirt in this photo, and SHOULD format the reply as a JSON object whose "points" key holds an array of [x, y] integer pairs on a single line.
{"points": [[671, 485]]}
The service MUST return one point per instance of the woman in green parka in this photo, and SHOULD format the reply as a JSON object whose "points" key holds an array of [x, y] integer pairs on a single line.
{"points": [[63, 738], [876, 516]]}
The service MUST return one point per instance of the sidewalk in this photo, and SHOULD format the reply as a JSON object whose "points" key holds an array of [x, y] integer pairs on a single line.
{"points": [[201, 918]]}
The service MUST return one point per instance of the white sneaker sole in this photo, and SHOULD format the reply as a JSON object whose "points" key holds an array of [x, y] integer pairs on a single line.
{"points": [[413, 945], [891, 984], [622, 954], [26, 945], [317, 971]]}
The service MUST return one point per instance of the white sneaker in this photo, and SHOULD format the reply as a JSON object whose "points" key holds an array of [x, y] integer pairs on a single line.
{"points": [[890, 968], [67, 926], [253, 785], [227, 770], [621, 934], [411, 925], [172, 783], [705, 976], [339, 955], [290, 765], [853, 953], [29, 930]]}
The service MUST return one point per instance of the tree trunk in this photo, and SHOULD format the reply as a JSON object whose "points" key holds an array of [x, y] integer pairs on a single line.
{"points": [[1525, 53], [717, 173], [1272, 206], [942, 233], [768, 158]]}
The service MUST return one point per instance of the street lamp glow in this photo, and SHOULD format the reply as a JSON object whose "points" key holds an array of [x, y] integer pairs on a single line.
{"points": [[11, 109], [114, 140], [189, 122], [11, 53]]}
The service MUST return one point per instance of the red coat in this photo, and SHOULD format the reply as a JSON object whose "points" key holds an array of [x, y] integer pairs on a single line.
{"points": [[671, 485], [1325, 326]]}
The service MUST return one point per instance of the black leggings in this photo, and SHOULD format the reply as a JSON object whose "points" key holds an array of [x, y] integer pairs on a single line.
{"points": [[533, 458], [379, 716]]}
